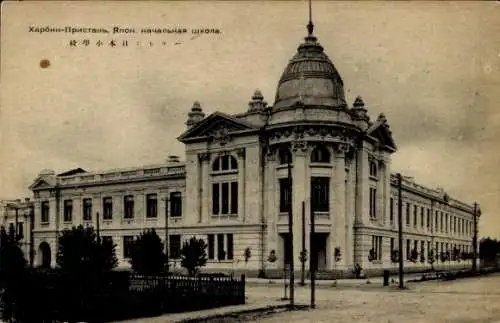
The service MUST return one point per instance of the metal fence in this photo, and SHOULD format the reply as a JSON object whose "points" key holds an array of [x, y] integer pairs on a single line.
{"points": [[115, 296]]}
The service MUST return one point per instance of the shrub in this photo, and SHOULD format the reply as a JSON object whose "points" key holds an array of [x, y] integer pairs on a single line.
{"points": [[148, 255], [193, 255]]}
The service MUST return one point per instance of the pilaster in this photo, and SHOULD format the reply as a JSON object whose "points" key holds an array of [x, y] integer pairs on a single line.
{"points": [[203, 190], [299, 194], [347, 254], [339, 207], [241, 154]]}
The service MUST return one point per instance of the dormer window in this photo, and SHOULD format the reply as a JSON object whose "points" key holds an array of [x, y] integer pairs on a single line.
{"points": [[320, 155], [226, 162], [373, 168], [285, 156]]}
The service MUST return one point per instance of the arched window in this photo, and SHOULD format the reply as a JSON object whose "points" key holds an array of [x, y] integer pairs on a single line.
{"points": [[320, 155], [285, 156], [226, 162], [373, 169]]}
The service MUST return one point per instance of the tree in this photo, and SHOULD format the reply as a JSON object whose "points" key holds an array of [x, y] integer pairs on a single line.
{"points": [[488, 249], [193, 255], [148, 256], [80, 251], [11, 256]]}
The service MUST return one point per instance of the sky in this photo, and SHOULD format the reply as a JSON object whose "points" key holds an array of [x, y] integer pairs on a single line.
{"points": [[431, 67]]}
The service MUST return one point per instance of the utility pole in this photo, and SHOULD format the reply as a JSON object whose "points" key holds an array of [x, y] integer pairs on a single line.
{"points": [[290, 233], [17, 222], [166, 234], [303, 253], [400, 231], [474, 240], [312, 256], [97, 228]]}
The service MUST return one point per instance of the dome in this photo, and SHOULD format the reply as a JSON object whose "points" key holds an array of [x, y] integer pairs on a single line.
{"points": [[310, 78]]}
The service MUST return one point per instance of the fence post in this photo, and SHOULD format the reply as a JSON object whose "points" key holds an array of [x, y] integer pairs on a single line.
{"points": [[242, 290]]}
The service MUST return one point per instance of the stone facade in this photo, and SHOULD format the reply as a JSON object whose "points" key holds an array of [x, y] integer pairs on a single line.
{"points": [[234, 188]]}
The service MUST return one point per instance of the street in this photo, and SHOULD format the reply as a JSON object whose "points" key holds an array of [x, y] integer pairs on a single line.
{"points": [[466, 300]]}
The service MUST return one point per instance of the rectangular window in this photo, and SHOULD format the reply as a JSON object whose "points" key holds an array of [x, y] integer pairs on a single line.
{"points": [[175, 204], [20, 230], [174, 246], [128, 207], [415, 216], [373, 202], [68, 210], [455, 225], [428, 219], [391, 212], [87, 209], [151, 206], [225, 198], [320, 194], [45, 212], [107, 208], [377, 247], [128, 245], [211, 246], [408, 214], [393, 247], [428, 247], [441, 218], [285, 195], [422, 220], [221, 254], [215, 199], [436, 229], [234, 197], [408, 254], [230, 246]]}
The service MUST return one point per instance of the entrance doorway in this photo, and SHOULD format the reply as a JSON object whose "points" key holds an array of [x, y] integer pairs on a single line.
{"points": [[318, 248], [45, 255]]}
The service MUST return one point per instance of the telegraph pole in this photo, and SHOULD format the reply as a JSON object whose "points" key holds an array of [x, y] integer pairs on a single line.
{"points": [[166, 234], [303, 254], [400, 231], [290, 233], [474, 240], [97, 228], [312, 256]]}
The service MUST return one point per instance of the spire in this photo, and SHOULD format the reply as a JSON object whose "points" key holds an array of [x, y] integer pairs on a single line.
{"points": [[310, 25]]}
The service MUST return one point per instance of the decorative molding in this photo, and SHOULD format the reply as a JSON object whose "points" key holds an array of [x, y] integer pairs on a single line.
{"points": [[241, 152], [299, 147], [220, 134], [203, 157]]}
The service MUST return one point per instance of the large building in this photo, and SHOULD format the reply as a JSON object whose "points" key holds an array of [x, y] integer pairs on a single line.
{"points": [[234, 188]]}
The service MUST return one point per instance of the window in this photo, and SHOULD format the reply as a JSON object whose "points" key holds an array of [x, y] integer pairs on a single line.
{"points": [[428, 247], [320, 194], [45, 212], [455, 225], [229, 248], [176, 204], [415, 216], [221, 254], [128, 207], [373, 169], [408, 254], [391, 211], [87, 209], [285, 195], [428, 219], [174, 246], [393, 247], [422, 217], [107, 208], [151, 206], [436, 229], [320, 155], [223, 163], [407, 214], [68, 210], [445, 222], [20, 230], [441, 222], [225, 198], [128, 245], [211, 246], [285, 156], [377, 247], [373, 202]]}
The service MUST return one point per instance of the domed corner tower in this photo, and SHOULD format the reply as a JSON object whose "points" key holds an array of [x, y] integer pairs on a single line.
{"points": [[310, 87]]}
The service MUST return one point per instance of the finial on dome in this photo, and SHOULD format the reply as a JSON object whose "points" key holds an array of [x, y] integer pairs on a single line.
{"points": [[195, 115], [359, 102], [310, 25], [257, 102]]}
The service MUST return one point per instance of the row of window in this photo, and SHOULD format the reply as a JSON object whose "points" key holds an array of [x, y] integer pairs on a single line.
{"points": [[451, 223], [320, 194], [174, 203], [418, 245], [220, 246]]}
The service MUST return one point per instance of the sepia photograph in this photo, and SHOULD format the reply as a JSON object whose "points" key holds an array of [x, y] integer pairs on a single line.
{"points": [[250, 161]]}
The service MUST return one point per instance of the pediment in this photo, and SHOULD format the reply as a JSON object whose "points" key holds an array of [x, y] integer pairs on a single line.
{"points": [[381, 132], [217, 126], [41, 183]]}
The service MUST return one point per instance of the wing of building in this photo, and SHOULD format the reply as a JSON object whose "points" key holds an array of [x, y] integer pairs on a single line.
{"points": [[233, 188]]}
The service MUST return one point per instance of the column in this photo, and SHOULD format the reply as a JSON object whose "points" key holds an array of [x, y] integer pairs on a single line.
{"points": [[271, 241], [347, 254], [299, 194], [203, 183], [241, 184], [339, 206], [362, 199]]}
